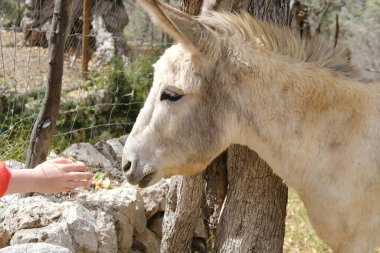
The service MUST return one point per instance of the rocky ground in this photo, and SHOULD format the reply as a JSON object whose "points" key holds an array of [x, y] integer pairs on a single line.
{"points": [[115, 218]]}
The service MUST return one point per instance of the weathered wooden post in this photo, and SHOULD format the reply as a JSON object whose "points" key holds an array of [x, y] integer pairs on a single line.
{"points": [[183, 210], [86, 37], [44, 126]]}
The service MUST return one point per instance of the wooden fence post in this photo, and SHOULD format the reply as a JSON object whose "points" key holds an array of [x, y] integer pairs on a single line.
{"points": [[182, 211], [85, 37], [44, 126]]}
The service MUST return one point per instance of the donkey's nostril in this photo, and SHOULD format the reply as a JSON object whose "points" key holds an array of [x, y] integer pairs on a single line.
{"points": [[127, 166]]}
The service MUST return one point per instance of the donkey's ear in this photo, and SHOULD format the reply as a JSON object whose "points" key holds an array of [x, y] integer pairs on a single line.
{"points": [[185, 29]]}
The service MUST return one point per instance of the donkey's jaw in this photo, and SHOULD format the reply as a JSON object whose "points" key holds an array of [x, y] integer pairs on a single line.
{"points": [[138, 173], [149, 179], [146, 178]]}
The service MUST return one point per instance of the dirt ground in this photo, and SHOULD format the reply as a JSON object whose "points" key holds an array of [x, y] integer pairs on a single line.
{"points": [[24, 68]]}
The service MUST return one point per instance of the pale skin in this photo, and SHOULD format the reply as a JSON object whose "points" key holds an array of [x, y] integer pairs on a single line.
{"points": [[57, 175]]}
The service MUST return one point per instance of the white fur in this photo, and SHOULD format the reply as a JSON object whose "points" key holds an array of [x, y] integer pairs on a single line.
{"points": [[309, 118]]}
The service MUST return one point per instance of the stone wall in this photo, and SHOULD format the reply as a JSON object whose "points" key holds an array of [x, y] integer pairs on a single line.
{"points": [[120, 219]]}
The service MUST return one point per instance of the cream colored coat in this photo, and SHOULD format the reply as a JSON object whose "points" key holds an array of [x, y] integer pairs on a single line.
{"points": [[297, 103]]}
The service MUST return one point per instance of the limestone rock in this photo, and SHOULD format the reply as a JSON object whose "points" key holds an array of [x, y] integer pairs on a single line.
{"points": [[149, 240], [52, 155], [125, 206], [112, 150], [106, 230], [103, 100], [123, 139], [55, 233], [112, 15], [35, 248], [81, 225], [37, 212], [106, 221], [13, 164], [155, 197], [86, 153], [105, 43], [42, 219]]}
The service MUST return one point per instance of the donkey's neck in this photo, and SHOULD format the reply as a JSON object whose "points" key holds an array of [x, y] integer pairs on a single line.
{"points": [[297, 116]]}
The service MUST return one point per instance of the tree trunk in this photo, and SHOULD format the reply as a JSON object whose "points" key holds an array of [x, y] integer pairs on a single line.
{"points": [[192, 7], [190, 199], [182, 212], [258, 194], [274, 11], [253, 215], [86, 17], [44, 127], [215, 190]]}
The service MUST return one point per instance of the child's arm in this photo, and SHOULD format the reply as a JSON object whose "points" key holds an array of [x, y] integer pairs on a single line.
{"points": [[53, 176]]}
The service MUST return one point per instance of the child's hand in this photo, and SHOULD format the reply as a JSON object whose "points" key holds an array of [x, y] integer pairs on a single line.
{"points": [[60, 175], [53, 176]]}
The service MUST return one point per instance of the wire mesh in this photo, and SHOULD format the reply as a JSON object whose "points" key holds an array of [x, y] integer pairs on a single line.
{"points": [[123, 45], [24, 31]]}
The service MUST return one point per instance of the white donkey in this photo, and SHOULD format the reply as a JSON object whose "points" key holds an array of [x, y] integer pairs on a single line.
{"points": [[234, 80]]}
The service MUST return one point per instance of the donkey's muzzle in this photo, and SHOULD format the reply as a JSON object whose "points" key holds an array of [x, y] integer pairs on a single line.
{"points": [[131, 171], [136, 174], [127, 166]]}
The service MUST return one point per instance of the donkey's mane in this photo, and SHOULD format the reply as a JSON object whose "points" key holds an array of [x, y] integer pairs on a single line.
{"points": [[281, 41]]}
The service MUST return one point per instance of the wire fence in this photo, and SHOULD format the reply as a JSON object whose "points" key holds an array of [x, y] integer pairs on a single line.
{"points": [[106, 104], [123, 45]]}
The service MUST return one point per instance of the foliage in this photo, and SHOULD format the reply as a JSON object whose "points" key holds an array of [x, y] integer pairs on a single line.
{"points": [[128, 86], [11, 11], [100, 181], [354, 25], [15, 126], [352, 15]]}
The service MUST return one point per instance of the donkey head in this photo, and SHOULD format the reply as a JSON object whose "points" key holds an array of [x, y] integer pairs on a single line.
{"points": [[186, 120]]}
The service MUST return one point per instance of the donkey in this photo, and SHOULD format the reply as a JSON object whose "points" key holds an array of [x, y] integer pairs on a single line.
{"points": [[232, 79]]}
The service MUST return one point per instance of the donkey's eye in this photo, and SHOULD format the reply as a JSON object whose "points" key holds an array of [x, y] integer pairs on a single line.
{"points": [[170, 95]]}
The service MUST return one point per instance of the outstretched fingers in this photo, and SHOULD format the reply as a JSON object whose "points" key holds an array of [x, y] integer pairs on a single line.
{"points": [[79, 176], [78, 166], [71, 185], [61, 160]]}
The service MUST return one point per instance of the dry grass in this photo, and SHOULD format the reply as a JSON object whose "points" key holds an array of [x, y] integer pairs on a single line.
{"points": [[299, 235], [23, 69]]}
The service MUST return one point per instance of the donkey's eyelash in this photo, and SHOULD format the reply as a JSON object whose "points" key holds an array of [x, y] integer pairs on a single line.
{"points": [[170, 95]]}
